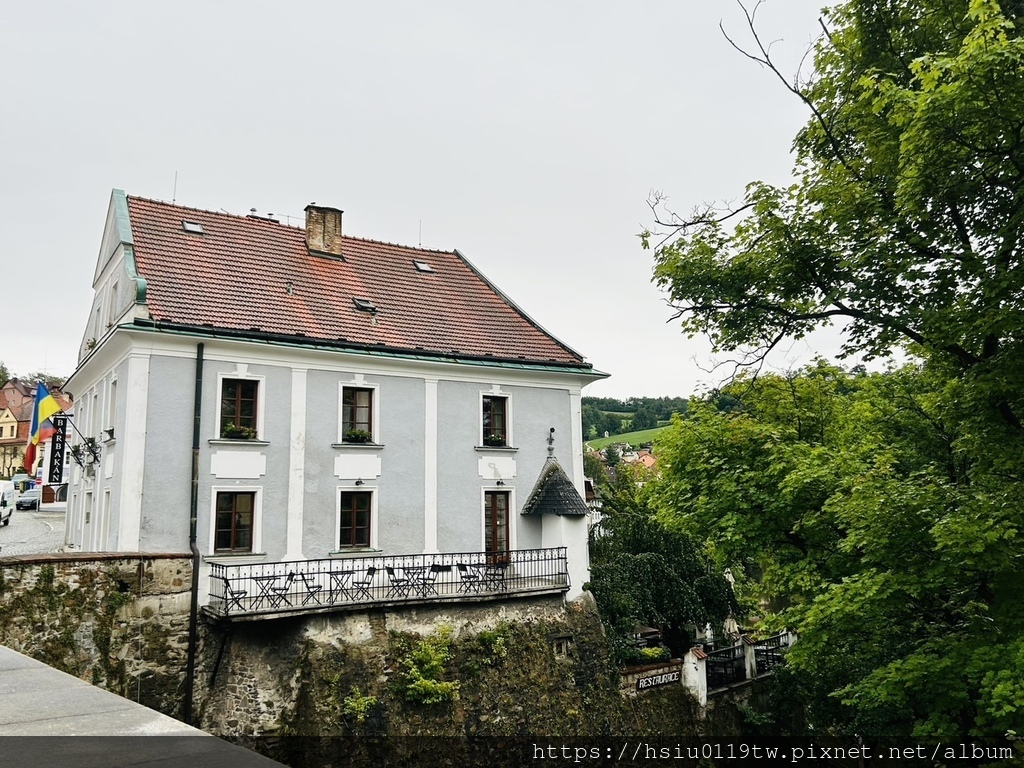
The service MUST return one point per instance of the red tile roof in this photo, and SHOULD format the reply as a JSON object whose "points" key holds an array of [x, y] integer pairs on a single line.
{"points": [[247, 274]]}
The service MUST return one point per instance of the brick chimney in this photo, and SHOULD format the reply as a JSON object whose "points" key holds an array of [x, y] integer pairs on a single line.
{"points": [[323, 229]]}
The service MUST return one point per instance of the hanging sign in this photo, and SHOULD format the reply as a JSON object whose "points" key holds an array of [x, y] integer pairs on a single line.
{"points": [[57, 445]]}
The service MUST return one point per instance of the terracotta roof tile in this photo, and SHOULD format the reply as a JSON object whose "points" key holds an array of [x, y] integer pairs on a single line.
{"points": [[249, 274]]}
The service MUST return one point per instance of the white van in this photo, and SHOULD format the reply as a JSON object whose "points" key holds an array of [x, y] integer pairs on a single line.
{"points": [[6, 501]]}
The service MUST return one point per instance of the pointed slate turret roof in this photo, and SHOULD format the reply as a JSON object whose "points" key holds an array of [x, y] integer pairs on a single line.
{"points": [[554, 493]]}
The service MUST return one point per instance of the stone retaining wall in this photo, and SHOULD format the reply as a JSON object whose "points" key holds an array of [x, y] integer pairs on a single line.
{"points": [[118, 620], [337, 688]]}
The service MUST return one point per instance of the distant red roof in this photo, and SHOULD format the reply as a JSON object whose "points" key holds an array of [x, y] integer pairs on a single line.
{"points": [[255, 276]]}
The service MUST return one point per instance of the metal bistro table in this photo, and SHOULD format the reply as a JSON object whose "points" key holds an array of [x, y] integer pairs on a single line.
{"points": [[493, 576], [339, 586], [420, 580], [269, 593]]}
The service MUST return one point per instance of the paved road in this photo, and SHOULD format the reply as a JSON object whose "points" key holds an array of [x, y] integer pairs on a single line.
{"points": [[36, 700], [33, 531]]}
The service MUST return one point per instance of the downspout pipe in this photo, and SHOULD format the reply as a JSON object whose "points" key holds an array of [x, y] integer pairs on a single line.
{"points": [[193, 614]]}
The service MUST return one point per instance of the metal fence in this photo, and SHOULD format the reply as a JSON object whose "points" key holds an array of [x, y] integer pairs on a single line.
{"points": [[308, 585], [726, 666], [768, 653]]}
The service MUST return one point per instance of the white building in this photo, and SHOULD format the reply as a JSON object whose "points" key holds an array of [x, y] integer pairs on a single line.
{"points": [[341, 399]]}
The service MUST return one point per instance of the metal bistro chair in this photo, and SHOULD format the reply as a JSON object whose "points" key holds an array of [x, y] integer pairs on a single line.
{"points": [[312, 589], [425, 584], [400, 585], [233, 597], [470, 579], [495, 576], [362, 586], [279, 592]]}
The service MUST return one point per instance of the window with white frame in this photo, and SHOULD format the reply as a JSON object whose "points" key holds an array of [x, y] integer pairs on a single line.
{"points": [[239, 408], [355, 519], [111, 408], [495, 421], [358, 412], [235, 523]]}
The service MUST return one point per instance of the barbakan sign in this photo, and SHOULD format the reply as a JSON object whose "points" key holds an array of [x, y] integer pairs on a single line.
{"points": [[57, 445], [654, 680]]}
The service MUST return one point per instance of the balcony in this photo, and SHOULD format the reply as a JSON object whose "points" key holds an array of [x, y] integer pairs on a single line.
{"points": [[266, 590]]}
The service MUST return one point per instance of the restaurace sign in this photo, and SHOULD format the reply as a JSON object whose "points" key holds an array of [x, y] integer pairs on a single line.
{"points": [[652, 681]]}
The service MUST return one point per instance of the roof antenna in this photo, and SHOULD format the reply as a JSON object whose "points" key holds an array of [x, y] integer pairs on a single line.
{"points": [[174, 194], [421, 234]]}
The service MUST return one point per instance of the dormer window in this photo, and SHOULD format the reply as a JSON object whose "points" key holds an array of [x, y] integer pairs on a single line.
{"points": [[422, 266], [192, 227], [364, 305]]}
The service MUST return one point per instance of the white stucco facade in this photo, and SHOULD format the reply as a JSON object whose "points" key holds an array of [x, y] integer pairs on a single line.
{"points": [[425, 470]]}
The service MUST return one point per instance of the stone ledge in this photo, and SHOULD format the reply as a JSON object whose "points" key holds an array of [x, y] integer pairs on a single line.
{"points": [[84, 557]]}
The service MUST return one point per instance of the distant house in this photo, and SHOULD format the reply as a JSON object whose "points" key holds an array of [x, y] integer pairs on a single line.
{"points": [[14, 426], [17, 399], [341, 398]]}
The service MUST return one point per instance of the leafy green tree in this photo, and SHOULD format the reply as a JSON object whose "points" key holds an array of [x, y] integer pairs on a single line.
{"points": [[5, 375], [610, 423], [611, 456], [51, 381], [644, 573], [869, 515], [644, 419], [606, 404], [886, 510], [906, 220], [593, 468]]}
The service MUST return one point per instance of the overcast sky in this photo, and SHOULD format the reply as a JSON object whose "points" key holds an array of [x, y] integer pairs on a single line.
{"points": [[528, 135]]}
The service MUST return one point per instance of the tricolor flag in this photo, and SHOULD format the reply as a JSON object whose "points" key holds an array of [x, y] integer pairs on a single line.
{"points": [[42, 429]]}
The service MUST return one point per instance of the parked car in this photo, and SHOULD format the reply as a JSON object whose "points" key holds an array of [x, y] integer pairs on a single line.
{"points": [[29, 499], [6, 501]]}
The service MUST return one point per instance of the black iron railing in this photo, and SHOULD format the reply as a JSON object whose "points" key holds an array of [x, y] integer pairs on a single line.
{"points": [[313, 585], [769, 653], [726, 666]]}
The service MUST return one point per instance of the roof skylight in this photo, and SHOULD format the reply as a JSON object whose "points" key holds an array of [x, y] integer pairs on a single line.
{"points": [[422, 266], [364, 305], [192, 226]]}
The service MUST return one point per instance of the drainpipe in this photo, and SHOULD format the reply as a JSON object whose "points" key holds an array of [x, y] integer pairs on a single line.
{"points": [[193, 614]]}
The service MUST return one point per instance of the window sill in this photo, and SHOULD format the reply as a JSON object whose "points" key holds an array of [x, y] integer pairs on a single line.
{"points": [[239, 558], [506, 448], [232, 441], [357, 445], [341, 554]]}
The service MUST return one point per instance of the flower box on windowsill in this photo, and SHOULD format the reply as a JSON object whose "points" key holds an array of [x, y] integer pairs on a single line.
{"points": [[233, 432]]}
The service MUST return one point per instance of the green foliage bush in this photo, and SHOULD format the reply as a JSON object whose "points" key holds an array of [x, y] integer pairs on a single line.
{"points": [[356, 706], [629, 655], [424, 668]]}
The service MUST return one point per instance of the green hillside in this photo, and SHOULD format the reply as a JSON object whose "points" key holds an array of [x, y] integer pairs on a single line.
{"points": [[633, 438]]}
